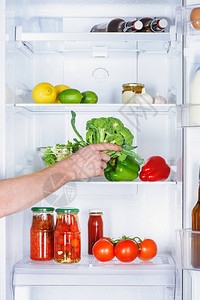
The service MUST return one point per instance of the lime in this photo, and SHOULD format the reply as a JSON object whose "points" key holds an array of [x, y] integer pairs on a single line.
{"points": [[59, 88], [44, 93], [89, 97], [70, 96]]}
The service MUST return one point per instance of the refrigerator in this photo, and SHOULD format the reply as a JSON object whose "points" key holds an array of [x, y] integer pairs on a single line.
{"points": [[50, 41]]}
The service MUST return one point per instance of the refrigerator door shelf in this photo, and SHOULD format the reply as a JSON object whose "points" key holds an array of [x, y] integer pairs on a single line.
{"points": [[159, 272], [186, 24], [188, 250], [188, 115]]}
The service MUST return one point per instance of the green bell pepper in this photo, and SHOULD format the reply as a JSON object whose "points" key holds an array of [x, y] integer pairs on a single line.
{"points": [[126, 170]]}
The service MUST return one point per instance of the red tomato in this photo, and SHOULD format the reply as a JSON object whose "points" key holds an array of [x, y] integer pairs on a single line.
{"points": [[103, 250], [148, 249], [60, 239], [77, 251], [107, 238], [74, 227], [67, 248], [126, 250], [75, 243]]}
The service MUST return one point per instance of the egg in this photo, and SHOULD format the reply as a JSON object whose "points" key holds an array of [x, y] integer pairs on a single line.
{"points": [[195, 18]]}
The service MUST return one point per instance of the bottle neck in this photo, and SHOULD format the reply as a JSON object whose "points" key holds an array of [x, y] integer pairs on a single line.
{"points": [[198, 201]]}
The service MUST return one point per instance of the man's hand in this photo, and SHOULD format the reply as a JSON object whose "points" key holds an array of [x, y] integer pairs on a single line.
{"points": [[90, 161]]}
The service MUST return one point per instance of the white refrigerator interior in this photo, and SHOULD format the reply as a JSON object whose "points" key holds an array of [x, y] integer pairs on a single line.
{"points": [[50, 41]]}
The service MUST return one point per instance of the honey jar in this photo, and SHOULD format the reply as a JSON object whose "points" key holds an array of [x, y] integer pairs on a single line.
{"points": [[129, 91]]}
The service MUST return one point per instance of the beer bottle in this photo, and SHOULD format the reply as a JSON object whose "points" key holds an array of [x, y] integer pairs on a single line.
{"points": [[195, 237], [158, 25], [118, 25], [153, 25]]}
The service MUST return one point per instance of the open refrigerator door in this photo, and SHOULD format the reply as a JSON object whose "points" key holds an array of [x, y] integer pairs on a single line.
{"points": [[50, 41]]}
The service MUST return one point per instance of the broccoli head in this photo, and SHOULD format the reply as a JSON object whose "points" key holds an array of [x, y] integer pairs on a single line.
{"points": [[108, 130]]}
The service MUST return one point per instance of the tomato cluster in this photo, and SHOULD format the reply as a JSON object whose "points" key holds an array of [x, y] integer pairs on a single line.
{"points": [[67, 239], [126, 249]]}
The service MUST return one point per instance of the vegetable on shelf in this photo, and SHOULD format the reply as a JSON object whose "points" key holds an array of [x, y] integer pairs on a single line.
{"points": [[143, 98], [148, 249], [126, 249], [58, 152], [103, 250], [159, 99], [155, 169], [124, 164], [126, 170]]}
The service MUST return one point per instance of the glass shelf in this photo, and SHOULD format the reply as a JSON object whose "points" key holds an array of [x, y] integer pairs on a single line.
{"points": [[158, 271], [102, 180], [53, 42], [89, 36], [118, 108]]}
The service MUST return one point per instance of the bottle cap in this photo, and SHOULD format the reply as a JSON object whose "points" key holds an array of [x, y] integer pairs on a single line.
{"points": [[95, 211], [137, 25], [162, 23]]}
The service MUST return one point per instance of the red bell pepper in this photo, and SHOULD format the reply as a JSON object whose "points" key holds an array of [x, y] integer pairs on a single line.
{"points": [[155, 169]]}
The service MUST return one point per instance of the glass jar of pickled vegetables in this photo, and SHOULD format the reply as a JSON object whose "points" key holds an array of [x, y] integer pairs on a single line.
{"points": [[129, 90], [42, 233], [67, 236]]}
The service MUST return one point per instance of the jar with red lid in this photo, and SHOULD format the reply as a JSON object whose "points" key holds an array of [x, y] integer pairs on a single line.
{"points": [[67, 236], [42, 233], [95, 228]]}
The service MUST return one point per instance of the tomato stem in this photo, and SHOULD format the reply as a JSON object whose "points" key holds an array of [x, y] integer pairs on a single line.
{"points": [[136, 239]]}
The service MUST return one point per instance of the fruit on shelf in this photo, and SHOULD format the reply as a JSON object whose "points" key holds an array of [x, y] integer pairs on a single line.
{"points": [[70, 96], [60, 88], [89, 97], [44, 93]]}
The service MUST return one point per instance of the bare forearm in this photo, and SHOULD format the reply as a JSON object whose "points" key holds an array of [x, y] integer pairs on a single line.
{"points": [[22, 192]]}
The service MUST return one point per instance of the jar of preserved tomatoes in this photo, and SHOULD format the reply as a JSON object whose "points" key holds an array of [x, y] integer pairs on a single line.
{"points": [[42, 233], [67, 236], [129, 90], [95, 228]]}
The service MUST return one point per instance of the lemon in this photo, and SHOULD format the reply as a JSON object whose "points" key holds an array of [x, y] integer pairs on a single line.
{"points": [[70, 96], [59, 88], [89, 97], [44, 93]]}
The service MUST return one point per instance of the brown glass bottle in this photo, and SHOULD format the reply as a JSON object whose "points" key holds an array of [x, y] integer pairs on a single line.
{"points": [[118, 25], [195, 238], [146, 24], [153, 25]]}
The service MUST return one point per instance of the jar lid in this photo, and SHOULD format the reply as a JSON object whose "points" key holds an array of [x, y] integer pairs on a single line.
{"points": [[42, 209], [95, 212], [125, 85], [67, 210]]}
